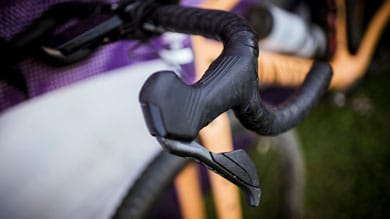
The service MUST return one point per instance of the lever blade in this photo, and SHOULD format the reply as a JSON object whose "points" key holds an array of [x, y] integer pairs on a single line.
{"points": [[90, 31], [235, 166]]}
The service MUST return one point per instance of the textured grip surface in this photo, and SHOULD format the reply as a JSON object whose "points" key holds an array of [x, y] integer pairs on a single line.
{"points": [[272, 120], [219, 25], [177, 111]]}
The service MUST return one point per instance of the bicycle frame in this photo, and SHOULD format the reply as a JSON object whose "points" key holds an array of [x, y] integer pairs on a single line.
{"points": [[289, 71]]}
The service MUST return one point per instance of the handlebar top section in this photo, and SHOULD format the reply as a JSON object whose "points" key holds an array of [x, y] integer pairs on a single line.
{"points": [[175, 110]]}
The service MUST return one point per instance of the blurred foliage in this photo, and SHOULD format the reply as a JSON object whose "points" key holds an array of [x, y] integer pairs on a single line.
{"points": [[347, 154]]}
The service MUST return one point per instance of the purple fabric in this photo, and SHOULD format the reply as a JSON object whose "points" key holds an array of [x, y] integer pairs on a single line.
{"points": [[40, 78]]}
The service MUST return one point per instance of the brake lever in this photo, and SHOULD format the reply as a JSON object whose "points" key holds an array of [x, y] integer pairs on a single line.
{"points": [[86, 35], [124, 21], [120, 23], [236, 166]]}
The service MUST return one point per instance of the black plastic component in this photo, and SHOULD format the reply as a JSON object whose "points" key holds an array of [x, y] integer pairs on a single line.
{"points": [[34, 35], [174, 110], [88, 33], [235, 166], [122, 21], [231, 82], [242, 165]]}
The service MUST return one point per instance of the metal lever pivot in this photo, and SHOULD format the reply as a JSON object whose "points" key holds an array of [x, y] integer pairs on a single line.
{"points": [[235, 166]]}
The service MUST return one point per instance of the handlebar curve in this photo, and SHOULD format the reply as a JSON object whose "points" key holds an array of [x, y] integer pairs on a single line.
{"points": [[175, 110]]}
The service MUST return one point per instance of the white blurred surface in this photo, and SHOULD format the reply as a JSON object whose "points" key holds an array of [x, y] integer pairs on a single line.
{"points": [[72, 153]]}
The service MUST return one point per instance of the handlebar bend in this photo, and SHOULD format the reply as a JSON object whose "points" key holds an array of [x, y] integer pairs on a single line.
{"points": [[178, 111]]}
